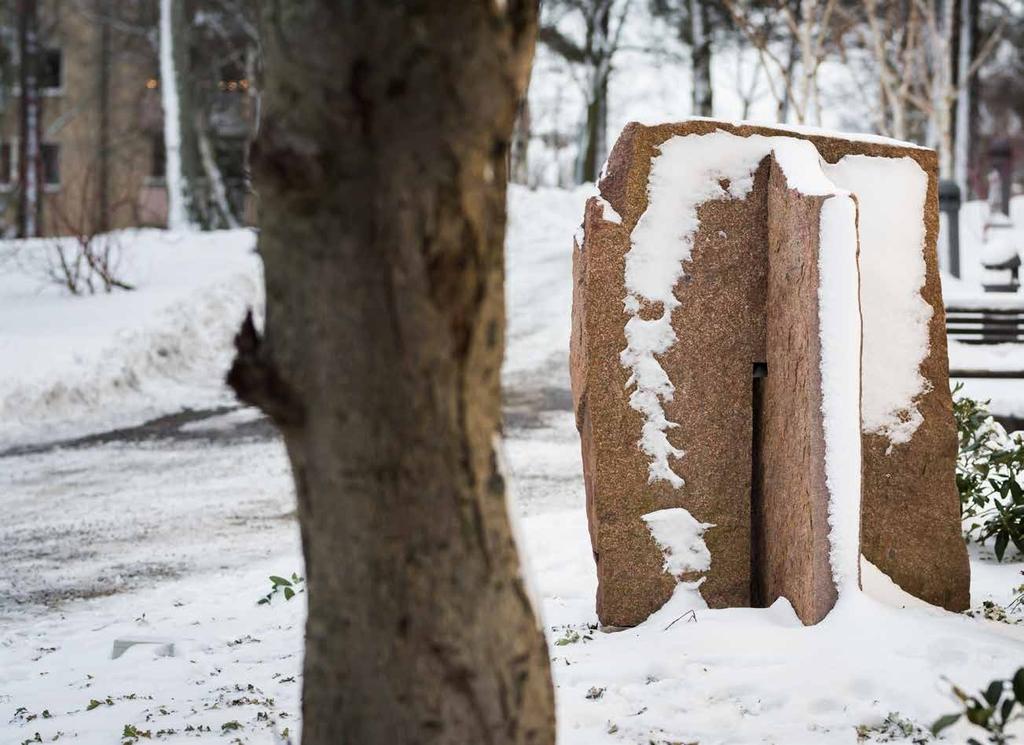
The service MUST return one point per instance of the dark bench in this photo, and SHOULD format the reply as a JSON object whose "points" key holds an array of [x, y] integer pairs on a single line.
{"points": [[980, 325]]}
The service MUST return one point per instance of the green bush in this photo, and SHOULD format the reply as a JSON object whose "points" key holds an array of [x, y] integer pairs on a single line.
{"points": [[992, 710], [989, 474]]}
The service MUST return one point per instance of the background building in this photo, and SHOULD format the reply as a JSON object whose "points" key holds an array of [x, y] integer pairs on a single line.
{"points": [[81, 118]]}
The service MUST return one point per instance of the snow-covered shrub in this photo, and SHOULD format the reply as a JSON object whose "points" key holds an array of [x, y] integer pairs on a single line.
{"points": [[989, 476]]}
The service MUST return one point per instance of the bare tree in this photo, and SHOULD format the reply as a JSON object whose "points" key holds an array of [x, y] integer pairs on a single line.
{"points": [[919, 77], [748, 85], [180, 144], [809, 31], [224, 81], [29, 121], [694, 21], [700, 46], [603, 21], [381, 167], [86, 259]]}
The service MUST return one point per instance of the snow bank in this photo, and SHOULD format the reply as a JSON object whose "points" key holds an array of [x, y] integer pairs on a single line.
{"points": [[69, 364], [538, 263]]}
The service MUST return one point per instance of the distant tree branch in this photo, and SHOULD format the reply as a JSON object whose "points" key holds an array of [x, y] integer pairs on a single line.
{"points": [[561, 44]]}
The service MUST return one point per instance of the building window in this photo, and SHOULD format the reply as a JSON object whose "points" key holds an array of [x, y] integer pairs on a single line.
{"points": [[50, 156], [51, 69], [6, 164]]}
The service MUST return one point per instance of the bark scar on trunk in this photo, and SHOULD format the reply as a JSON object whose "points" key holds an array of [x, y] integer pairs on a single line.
{"points": [[257, 382]]}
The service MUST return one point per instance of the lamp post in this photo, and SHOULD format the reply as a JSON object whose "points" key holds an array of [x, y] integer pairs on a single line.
{"points": [[949, 205]]}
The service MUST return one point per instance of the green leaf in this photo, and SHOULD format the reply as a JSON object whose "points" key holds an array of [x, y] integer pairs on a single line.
{"points": [[1004, 712], [279, 581], [289, 593], [1018, 685], [943, 722], [978, 715], [1016, 491], [994, 692], [1001, 541]]}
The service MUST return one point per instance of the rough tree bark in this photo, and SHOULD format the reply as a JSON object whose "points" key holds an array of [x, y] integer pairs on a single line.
{"points": [[381, 172]]}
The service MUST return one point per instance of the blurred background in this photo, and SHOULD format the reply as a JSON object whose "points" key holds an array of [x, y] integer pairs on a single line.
{"points": [[83, 131]]}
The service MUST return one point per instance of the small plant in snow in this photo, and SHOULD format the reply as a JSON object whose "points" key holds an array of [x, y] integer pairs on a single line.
{"points": [[894, 728], [1001, 703], [86, 266], [287, 587], [22, 714], [571, 635], [131, 734], [94, 703], [989, 476], [991, 611]]}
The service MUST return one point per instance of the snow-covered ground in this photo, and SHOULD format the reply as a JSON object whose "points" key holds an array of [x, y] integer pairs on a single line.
{"points": [[167, 533], [73, 365]]}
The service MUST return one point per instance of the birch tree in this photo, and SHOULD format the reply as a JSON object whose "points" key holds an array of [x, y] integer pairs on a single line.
{"points": [[29, 121], [918, 74], [177, 123], [381, 167], [809, 32]]}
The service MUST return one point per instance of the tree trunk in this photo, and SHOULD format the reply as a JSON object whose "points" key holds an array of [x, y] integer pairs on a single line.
{"points": [[184, 203], [519, 152], [29, 122], [700, 46], [219, 208], [792, 57], [381, 170], [943, 89], [103, 217], [963, 51], [594, 147], [595, 135]]}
